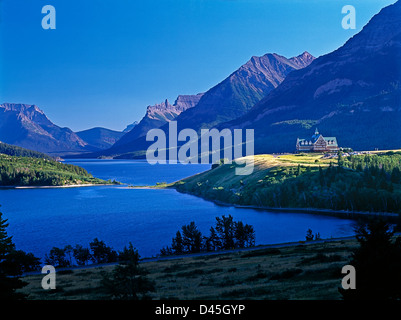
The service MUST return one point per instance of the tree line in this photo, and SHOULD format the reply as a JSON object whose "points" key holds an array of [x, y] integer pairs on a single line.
{"points": [[338, 188], [127, 281], [226, 234], [21, 152], [25, 171], [389, 163], [97, 252]]}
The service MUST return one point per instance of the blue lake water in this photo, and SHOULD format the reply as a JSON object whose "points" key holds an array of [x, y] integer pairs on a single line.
{"points": [[40, 219]]}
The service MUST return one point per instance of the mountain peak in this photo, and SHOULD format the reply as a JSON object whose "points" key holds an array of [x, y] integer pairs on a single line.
{"points": [[306, 54], [303, 60], [270, 61], [20, 107], [27, 126]]}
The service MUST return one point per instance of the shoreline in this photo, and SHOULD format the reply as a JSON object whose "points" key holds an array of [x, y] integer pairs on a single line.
{"points": [[320, 211], [328, 212], [52, 187]]}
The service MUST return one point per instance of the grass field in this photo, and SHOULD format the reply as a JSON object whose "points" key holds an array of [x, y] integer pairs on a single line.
{"points": [[308, 271], [224, 176]]}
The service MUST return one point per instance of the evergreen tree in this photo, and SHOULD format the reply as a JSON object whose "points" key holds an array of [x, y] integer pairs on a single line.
{"points": [[10, 271], [377, 263], [177, 244], [82, 255], [249, 235], [396, 175], [340, 161], [225, 229], [69, 251], [321, 176], [244, 235], [101, 253], [191, 238], [128, 280], [213, 240], [56, 258], [26, 262], [166, 251], [309, 235]]}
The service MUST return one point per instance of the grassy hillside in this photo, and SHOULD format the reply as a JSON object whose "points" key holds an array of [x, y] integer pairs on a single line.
{"points": [[222, 184], [25, 171], [308, 270], [369, 182]]}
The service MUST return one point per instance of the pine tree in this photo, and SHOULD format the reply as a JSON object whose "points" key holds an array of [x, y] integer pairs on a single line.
{"points": [[213, 240], [177, 244], [128, 281], [225, 229], [309, 235], [82, 255], [377, 262], [10, 272], [191, 238]]}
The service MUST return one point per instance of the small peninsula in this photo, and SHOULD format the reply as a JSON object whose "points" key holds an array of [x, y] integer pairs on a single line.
{"points": [[359, 182], [16, 171]]}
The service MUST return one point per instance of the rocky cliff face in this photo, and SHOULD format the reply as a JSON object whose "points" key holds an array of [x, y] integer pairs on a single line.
{"points": [[27, 126], [158, 115], [303, 60], [184, 102], [352, 93], [130, 126], [166, 112], [235, 95]]}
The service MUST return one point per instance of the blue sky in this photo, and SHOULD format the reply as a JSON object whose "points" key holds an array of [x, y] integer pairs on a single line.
{"points": [[109, 59]]}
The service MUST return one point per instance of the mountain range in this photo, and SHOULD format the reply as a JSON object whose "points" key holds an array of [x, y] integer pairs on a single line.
{"points": [[352, 93], [229, 99]]}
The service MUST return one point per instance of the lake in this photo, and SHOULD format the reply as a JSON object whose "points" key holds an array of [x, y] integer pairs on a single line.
{"points": [[40, 219]]}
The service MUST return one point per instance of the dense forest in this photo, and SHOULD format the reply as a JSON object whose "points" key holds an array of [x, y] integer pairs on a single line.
{"points": [[370, 182], [26, 171], [15, 151]]}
